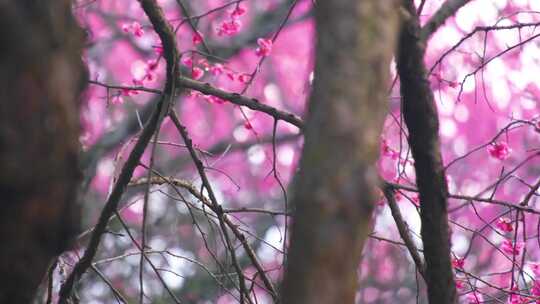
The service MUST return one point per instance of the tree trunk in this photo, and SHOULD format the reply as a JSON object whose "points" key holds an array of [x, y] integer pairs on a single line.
{"points": [[422, 122], [333, 195], [40, 80]]}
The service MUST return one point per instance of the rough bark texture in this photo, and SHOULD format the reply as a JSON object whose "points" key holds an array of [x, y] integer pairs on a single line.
{"points": [[334, 191], [41, 77], [422, 122]]}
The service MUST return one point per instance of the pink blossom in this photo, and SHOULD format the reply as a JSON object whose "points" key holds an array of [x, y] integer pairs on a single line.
{"points": [[229, 27], [458, 263], [197, 38], [460, 284], [499, 150], [187, 61], [137, 29], [535, 269], [474, 298], [126, 28], [238, 12], [244, 78], [265, 47], [248, 125], [230, 75], [216, 69], [203, 62], [535, 290], [505, 224], [117, 99], [197, 73], [515, 298], [512, 248], [152, 65], [149, 76]]}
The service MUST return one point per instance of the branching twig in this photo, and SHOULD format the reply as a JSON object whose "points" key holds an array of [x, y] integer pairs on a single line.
{"points": [[154, 13], [403, 229], [448, 9], [240, 100], [216, 207]]}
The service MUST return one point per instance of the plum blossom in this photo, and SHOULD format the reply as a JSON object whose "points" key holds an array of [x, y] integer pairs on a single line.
{"points": [[515, 298], [458, 262], [230, 75], [134, 28], [474, 298], [535, 267], [504, 224], [512, 248], [265, 47], [535, 290], [499, 150], [187, 61], [229, 27], [216, 69], [238, 12], [117, 99], [197, 38], [197, 73], [244, 78]]}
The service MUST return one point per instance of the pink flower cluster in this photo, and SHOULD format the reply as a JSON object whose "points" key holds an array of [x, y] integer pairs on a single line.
{"points": [[512, 248], [265, 47], [197, 38], [458, 262], [505, 224], [233, 24], [202, 66], [499, 150], [134, 28], [535, 288]]}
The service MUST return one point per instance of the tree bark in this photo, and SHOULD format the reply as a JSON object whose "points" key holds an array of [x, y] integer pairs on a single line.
{"points": [[333, 195], [41, 77], [422, 122]]}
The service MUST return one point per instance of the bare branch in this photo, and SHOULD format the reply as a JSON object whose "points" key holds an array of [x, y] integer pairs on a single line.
{"points": [[154, 13], [241, 100], [448, 9], [403, 229], [421, 118]]}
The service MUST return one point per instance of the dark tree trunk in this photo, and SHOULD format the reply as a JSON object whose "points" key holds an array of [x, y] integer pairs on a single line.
{"points": [[422, 122], [41, 76], [334, 191]]}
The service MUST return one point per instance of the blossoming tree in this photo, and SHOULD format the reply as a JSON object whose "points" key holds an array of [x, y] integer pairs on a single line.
{"points": [[291, 151]]}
